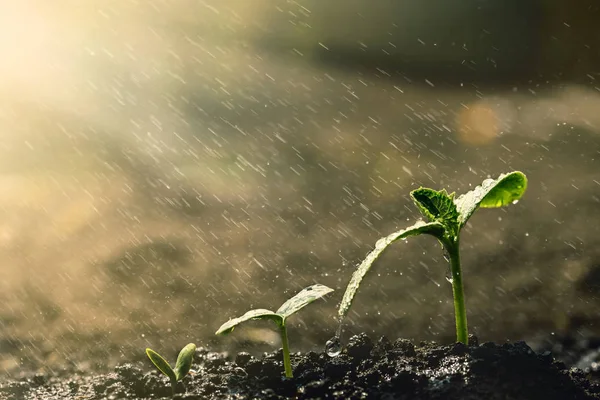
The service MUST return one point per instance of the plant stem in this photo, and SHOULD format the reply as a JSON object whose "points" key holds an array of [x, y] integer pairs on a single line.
{"points": [[287, 365], [460, 312]]}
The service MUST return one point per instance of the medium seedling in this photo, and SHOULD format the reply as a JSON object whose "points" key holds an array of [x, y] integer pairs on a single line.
{"points": [[447, 216], [182, 366], [293, 305]]}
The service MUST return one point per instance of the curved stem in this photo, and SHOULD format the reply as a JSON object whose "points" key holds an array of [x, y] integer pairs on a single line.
{"points": [[460, 313], [287, 365]]}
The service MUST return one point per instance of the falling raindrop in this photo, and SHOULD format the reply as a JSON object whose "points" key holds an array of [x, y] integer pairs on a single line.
{"points": [[333, 347], [449, 268], [449, 274], [446, 256]]}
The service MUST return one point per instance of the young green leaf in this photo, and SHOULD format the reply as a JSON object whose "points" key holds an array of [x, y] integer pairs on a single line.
{"points": [[447, 216], [184, 361], [432, 228], [302, 299], [436, 205], [492, 193], [228, 326], [162, 364]]}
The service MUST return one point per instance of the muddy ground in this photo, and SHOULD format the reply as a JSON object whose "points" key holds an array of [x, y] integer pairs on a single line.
{"points": [[364, 370]]}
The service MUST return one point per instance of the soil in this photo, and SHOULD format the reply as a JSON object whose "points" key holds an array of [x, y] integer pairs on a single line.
{"points": [[365, 369]]}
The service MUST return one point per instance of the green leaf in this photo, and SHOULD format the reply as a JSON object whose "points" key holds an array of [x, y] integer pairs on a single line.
{"points": [[302, 299], [161, 364], [184, 361], [228, 326], [432, 228], [492, 193], [436, 205]]}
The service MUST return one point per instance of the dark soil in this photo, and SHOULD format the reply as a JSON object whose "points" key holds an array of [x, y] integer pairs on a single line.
{"points": [[364, 370]]}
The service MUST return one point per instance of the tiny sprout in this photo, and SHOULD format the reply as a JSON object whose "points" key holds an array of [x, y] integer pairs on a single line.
{"points": [[293, 305], [182, 366], [447, 216]]}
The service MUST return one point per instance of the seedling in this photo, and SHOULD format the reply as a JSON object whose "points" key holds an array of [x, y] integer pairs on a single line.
{"points": [[447, 216], [293, 305], [182, 366]]}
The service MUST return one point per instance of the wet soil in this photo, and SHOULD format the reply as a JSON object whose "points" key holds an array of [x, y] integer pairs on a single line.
{"points": [[365, 369], [117, 234]]}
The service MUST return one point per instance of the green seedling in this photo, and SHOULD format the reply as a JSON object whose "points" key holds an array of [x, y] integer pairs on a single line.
{"points": [[182, 366], [293, 305], [447, 216]]}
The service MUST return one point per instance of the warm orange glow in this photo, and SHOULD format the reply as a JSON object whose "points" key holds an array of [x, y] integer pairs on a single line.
{"points": [[478, 125]]}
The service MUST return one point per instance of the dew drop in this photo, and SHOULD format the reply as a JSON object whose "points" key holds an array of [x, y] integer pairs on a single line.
{"points": [[333, 347]]}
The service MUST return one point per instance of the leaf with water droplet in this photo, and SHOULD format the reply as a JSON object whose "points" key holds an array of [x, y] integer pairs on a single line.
{"points": [[260, 313], [436, 205], [302, 299], [293, 305], [491, 193], [432, 228]]}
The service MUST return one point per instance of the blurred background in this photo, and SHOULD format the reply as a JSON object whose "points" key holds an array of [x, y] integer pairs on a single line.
{"points": [[166, 165]]}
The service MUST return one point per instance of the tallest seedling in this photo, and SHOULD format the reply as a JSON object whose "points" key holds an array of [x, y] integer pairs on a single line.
{"points": [[446, 216]]}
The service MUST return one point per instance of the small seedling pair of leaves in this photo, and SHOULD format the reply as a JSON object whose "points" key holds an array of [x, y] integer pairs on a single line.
{"points": [[290, 307], [182, 365], [439, 206], [447, 215]]}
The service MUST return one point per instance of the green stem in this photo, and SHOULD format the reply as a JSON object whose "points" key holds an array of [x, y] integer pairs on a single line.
{"points": [[460, 312], [287, 365], [173, 385]]}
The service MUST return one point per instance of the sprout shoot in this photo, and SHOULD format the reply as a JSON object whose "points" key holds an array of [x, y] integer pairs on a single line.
{"points": [[293, 305], [446, 216], [182, 366]]}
